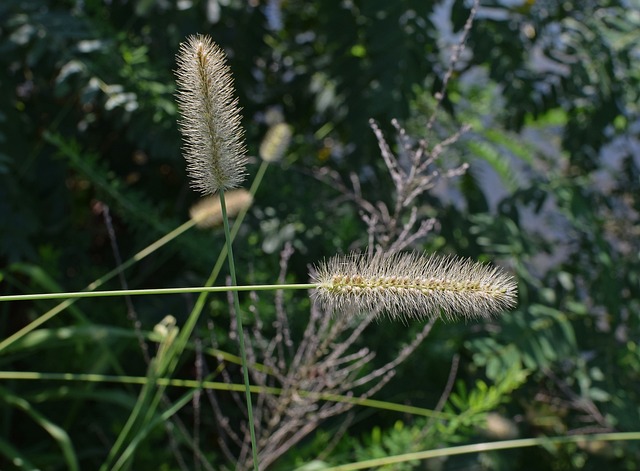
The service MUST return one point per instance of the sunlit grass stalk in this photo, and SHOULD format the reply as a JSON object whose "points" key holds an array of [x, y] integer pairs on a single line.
{"points": [[152, 291], [243, 353], [221, 386], [149, 426], [190, 324], [403, 285], [484, 447]]}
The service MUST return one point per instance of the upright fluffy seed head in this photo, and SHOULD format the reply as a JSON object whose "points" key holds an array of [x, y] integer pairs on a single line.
{"points": [[413, 285], [213, 136]]}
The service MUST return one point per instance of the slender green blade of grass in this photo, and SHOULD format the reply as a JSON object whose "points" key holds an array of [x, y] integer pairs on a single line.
{"points": [[147, 403], [127, 454], [243, 352], [129, 426], [56, 432], [14, 456]]}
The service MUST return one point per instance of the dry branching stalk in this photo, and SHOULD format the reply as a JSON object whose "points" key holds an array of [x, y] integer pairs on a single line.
{"points": [[413, 172]]}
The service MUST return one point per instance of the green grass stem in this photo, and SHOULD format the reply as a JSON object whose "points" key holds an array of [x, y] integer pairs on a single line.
{"points": [[483, 447], [128, 453], [220, 386], [243, 353], [56, 432], [152, 291]]}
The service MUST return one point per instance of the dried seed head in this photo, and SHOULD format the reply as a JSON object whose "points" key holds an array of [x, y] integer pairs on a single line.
{"points": [[275, 142], [208, 213], [213, 136], [413, 285]]}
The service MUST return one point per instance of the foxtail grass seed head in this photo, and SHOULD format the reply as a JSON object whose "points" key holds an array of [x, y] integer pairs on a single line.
{"points": [[207, 212], [413, 285], [275, 142], [210, 117]]}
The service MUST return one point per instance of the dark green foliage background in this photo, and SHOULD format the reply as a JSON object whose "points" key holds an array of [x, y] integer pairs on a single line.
{"points": [[87, 118]]}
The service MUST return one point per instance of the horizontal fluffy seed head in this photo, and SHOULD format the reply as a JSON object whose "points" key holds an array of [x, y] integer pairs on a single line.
{"points": [[207, 212], [413, 285], [213, 136]]}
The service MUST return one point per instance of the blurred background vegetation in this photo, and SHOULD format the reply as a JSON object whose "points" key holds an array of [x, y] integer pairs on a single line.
{"points": [[551, 91]]}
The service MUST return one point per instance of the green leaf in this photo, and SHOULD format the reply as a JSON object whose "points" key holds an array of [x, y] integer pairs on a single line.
{"points": [[56, 432]]}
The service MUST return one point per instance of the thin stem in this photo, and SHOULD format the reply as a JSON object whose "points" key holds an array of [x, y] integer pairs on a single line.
{"points": [[234, 231], [142, 292], [190, 324], [482, 447], [243, 353], [220, 386]]}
